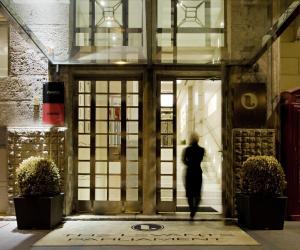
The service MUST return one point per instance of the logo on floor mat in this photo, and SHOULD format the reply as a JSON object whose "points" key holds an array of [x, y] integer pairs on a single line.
{"points": [[147, 227]]}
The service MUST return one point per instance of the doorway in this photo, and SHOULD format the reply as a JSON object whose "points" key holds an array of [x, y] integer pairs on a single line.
{"points": [[108, 143], [184, 106]]}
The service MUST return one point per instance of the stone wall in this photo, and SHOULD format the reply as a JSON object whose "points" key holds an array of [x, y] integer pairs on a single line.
{"points": [[28, 70], [247, 20]]}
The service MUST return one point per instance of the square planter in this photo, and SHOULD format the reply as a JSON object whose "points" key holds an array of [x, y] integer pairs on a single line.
{"points": [[261, 212], [40, 212]]}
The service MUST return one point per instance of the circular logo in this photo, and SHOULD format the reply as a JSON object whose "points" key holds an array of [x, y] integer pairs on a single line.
{"points": [[147, 227], [249, 101]]}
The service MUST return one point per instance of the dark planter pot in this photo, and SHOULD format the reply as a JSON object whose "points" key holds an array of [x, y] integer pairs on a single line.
{"points": [[261, 212], [40, 212]]}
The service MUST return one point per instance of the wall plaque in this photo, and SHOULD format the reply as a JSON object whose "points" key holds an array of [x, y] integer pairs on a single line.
{"points": [[250, 105], [53, 103]]}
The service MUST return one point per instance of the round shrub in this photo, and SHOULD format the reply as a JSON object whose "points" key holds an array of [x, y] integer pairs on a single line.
{"points": [[38, 176], [262, 175]]}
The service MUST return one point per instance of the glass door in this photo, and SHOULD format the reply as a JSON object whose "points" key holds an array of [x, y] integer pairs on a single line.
{"points": [[166, 150], [109, 146]]}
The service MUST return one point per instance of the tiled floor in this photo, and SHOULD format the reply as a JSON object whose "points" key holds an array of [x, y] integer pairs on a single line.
{"points": [[13, 239]]}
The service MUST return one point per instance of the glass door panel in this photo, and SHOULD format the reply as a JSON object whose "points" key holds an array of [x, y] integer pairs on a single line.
{"points": [[109, 152], [166, 174]]}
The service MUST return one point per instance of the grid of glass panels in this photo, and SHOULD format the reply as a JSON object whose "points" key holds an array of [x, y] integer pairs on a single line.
{"points": [[84, 140], [167, 173], [108, 141], [110, 30], [189, 31]]}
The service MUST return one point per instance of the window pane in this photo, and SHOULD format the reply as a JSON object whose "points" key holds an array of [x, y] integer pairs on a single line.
{"points": [[84, 140], [166, 100], [132, 181], [101, 181], [166, 195], [132, 127], [132, 100], [114, 194], [115, 181], [101, 86], [101, 154], [83, 153], [101, 140], [166, 181], [101, 127], [132, 114], [132, 154], [83, 194], [132, 194], [3, 50], [101, 167], [101, 100], [115, 87], [100, 194], [84, 167], [101, 113], [132, 87], [83, 180], [166, 154]]}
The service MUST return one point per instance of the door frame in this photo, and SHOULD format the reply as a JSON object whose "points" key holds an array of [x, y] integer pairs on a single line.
{"points": [[186, 72], [108, 207]]}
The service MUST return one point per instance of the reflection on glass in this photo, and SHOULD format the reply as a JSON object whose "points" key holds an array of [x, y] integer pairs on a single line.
{"points": [[166, 195], [100, 194], [115, 113], [132, 194], [83, 194], [166, 127], [114, 100], [114, 127], [166, 114]]}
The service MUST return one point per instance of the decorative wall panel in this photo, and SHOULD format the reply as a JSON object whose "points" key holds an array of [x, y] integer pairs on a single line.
{"points": [[26, 142], [250, 142]]}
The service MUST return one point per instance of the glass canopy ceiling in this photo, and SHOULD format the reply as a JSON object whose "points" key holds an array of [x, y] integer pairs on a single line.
{"points": [[130, 31]]}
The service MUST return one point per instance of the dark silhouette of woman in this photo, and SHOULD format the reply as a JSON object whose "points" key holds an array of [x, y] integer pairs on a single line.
{"points": [[192, 157]]}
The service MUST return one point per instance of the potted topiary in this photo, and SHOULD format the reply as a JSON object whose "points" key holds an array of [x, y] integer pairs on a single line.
{"points": [[261, 204], [40, 204]]}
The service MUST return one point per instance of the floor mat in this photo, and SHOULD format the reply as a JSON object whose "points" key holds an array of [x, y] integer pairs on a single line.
{"points": [[200, 209], [84, 233]]}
